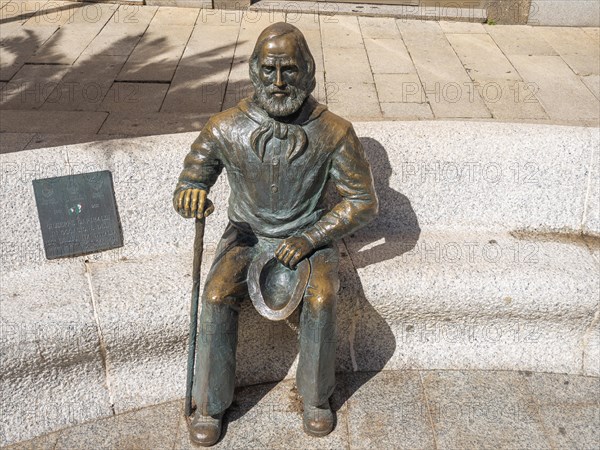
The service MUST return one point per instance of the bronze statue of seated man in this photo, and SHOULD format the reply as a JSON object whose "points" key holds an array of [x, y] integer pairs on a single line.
{"points": [[280, 148]]}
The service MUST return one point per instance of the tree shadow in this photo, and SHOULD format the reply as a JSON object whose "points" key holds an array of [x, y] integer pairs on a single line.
{"points": [[7, 17], [193, 84]]}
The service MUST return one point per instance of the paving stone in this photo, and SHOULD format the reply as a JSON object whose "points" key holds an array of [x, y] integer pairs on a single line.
{"points": [[239, 72], [21, 121], [562, 94], [269, 416], [340, 32], [406, 111], [239, 80], [496, 80], [14, 142], [572, 426], [313, 39], [378, 28], [86, 84], [593, 84], [448, 88], [483, 409], [353, 100], [210, 43], [156, 56], [152, 123], [20, 11], [121, 34], [578, 49], [246, 40], [19, 46], [262, 19], [320, 92], [134, 97], [254, 21], [347, 65], [63, 13], [594, 33], [201, 77], [305, 21], [251, 25], [510, 99], [399, 88], [65, 46], [561, 389], [220, 17], [10, 28], [167, 16], [519, 40], [388, 410], [147, 428], [482, 58], [31, 86], [461, 27], [236, 91], [388, 56]]}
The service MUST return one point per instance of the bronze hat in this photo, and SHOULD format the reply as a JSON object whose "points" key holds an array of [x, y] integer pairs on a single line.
{"points": [[275, 290]]}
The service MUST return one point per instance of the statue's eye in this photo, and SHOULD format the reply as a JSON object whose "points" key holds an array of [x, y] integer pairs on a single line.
{"points": [[268, 69], [290, 70]]}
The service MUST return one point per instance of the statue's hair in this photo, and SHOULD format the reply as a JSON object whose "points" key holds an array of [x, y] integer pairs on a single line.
{"points": [[278, 29]]}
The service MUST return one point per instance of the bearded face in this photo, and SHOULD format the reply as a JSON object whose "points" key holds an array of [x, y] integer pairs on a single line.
{"points": [[281, 85], [279, 102]]}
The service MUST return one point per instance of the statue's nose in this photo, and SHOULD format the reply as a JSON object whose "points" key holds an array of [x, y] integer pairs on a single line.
{"points": [[278, 79]]}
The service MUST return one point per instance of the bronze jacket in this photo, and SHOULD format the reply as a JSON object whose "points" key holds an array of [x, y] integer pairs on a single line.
{"points": [[278, 171]]}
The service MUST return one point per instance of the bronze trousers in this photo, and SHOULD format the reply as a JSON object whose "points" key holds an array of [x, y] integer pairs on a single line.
{"points": [[226, 288]]}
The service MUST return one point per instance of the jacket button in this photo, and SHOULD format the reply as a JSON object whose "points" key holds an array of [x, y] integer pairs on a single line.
{"points": [[274, 188]]}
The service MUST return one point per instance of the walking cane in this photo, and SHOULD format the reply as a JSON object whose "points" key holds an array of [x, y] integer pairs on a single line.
{"points": [[198, 246]]}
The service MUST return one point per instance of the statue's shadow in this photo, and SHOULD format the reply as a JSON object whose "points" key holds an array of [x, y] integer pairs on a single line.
{"points": [[370, 252], [366, 342]]}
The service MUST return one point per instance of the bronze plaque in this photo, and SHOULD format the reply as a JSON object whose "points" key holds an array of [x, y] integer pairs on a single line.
{"points": [[78, 214]]}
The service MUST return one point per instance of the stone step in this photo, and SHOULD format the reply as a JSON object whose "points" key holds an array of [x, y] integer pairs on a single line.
{"points": [[390, 409], [484, 256]]}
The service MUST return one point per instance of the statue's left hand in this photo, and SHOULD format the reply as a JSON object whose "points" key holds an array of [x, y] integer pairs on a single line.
{"points": [[293, 250]]}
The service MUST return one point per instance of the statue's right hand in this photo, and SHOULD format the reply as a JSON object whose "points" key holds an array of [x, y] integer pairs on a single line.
{"points": [[191, 203]]}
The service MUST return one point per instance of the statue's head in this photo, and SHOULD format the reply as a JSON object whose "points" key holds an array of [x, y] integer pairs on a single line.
{"points": [[282, 70]]}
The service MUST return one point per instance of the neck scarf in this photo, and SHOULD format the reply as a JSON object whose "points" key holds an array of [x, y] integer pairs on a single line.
{"points": [[290, 132]]}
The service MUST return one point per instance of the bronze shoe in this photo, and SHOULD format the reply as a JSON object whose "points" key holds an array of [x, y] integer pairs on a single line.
{"points": [[318, 420], [205, 430]]}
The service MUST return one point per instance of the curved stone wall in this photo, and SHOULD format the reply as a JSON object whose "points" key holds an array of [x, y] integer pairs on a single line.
{"points": [[484, 256]]}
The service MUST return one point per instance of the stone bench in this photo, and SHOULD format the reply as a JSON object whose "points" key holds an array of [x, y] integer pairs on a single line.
{"points": [[484, 256]]}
